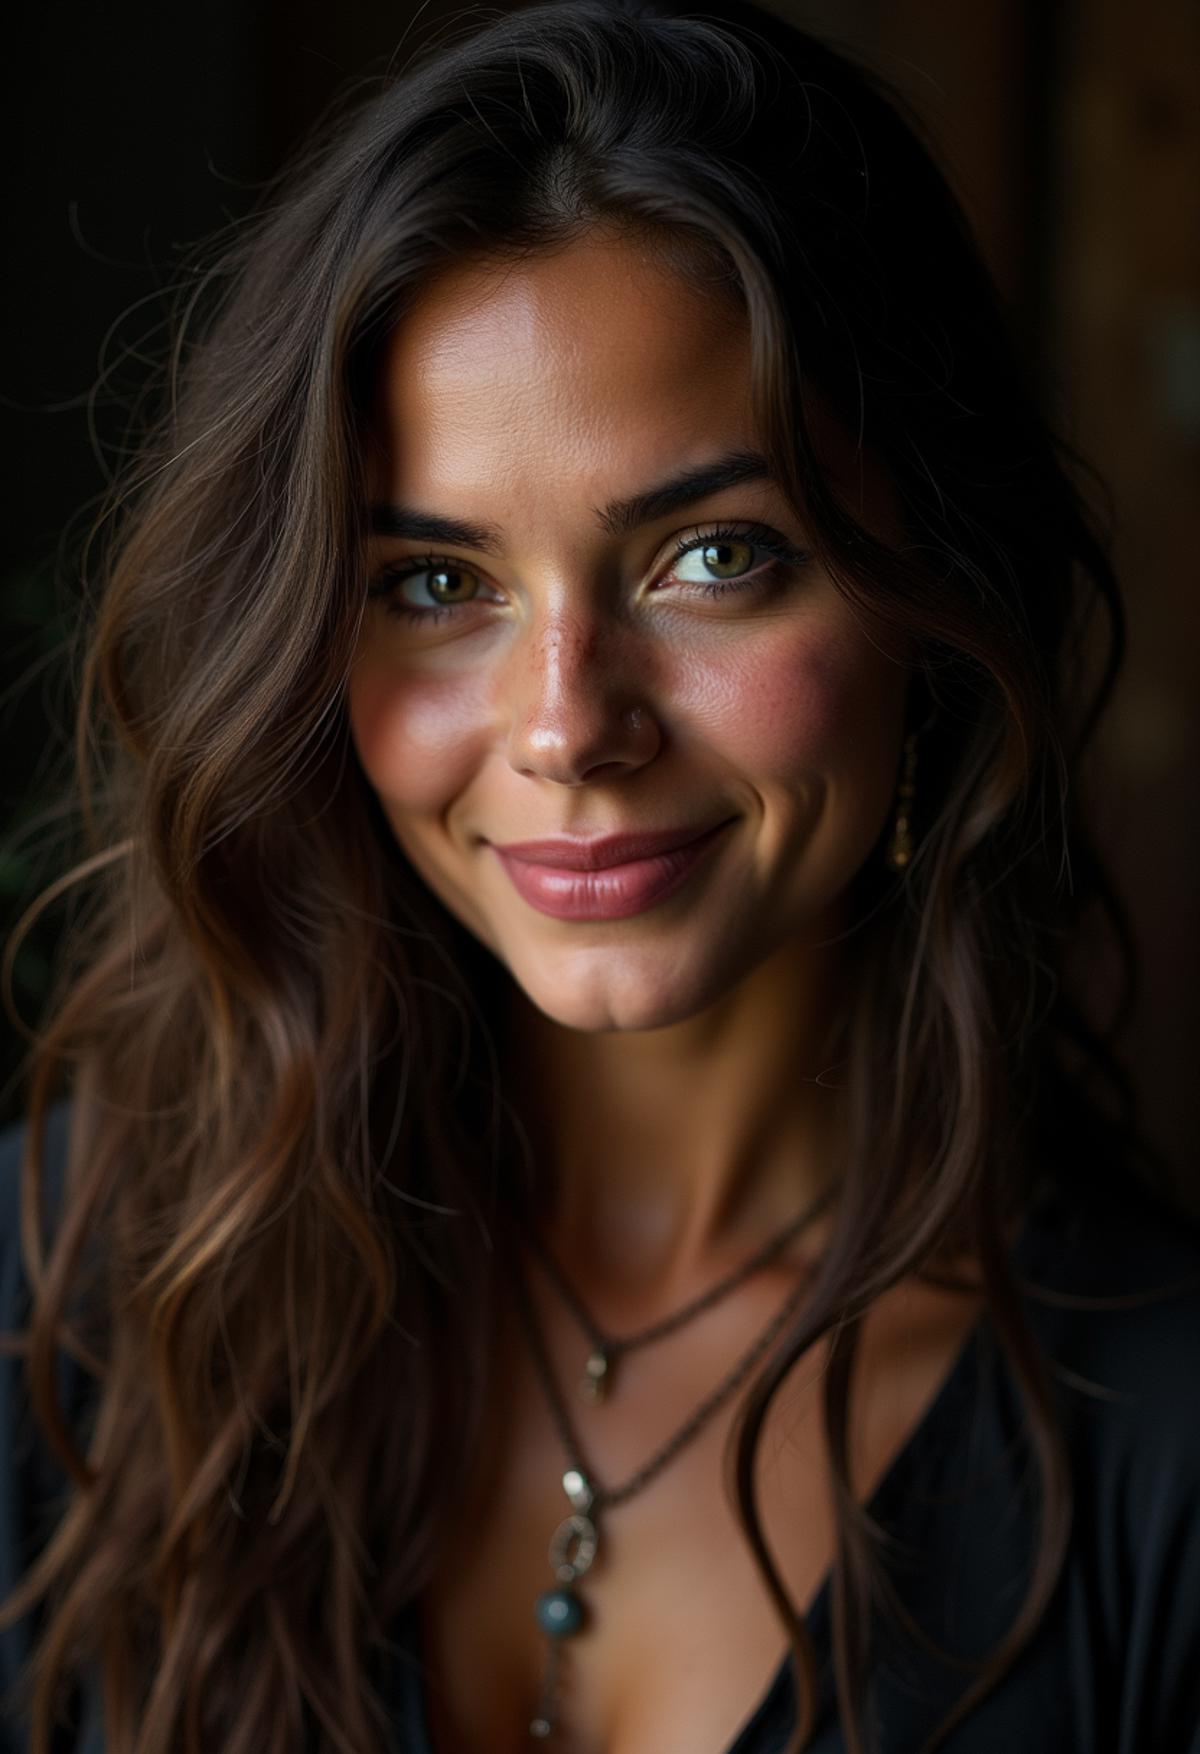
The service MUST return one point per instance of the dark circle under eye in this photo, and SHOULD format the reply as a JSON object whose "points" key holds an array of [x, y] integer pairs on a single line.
{"points": [[728, 559]]}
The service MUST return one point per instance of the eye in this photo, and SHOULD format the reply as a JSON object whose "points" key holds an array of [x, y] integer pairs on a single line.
{"points": [[728, 558], [444, 582], [429, 588], [426, 587], [723, 558]]}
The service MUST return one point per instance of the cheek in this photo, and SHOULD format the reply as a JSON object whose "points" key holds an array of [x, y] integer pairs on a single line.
{"points": [[801, 702], [417, 737]]}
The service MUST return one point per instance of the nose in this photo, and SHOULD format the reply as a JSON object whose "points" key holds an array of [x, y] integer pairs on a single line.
{"points": [[577, 703]]}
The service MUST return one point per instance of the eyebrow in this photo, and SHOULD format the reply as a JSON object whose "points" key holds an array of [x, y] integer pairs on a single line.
{"points": [[617, 518]]}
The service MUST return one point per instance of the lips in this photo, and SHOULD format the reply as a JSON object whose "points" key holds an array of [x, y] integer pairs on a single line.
{"points": [[609, 878], [599, 854]]}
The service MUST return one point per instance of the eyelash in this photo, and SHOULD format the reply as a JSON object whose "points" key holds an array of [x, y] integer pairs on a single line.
{"points": [[756, 535]]}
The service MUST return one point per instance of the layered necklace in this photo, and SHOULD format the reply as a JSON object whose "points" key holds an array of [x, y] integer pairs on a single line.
{"points": [[561, 1611]]}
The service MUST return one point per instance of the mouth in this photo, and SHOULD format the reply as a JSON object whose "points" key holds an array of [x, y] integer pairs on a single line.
{"points": [[606, 879]]}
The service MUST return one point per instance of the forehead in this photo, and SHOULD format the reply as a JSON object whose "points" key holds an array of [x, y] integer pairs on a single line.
{"points": [[596, 361]]}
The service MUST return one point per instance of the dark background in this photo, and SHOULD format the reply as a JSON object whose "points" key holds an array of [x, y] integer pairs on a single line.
{"points": [[1072, 132]]}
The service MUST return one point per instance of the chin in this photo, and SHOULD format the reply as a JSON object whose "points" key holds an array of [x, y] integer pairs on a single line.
{"points": [[604, 988]]}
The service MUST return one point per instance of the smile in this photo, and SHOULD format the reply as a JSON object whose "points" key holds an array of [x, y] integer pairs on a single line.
{"points": [[611, 891]]}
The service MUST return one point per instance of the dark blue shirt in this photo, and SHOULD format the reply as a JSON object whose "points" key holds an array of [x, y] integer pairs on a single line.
{"points": [[1115, 1665]]}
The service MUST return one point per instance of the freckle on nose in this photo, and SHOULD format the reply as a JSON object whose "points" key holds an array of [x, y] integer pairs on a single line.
{"points": [[565, 648]]}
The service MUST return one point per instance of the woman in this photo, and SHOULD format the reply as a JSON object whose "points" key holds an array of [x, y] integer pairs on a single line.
{"points": [[590, 1209]]}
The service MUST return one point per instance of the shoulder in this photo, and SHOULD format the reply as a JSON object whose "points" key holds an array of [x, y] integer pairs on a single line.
{"points": [[1111, 1280], [1112, 1274], [1114, 1283]]}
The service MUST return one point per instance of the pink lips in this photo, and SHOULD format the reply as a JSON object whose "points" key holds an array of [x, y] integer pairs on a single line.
{"points": [[607, 879]]}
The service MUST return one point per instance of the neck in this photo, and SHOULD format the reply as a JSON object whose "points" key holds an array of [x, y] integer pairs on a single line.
{"points": [[662, 1155]]}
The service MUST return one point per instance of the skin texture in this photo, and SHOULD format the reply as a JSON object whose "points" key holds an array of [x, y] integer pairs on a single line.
{"points": [[589, 685], [667, 1064]]}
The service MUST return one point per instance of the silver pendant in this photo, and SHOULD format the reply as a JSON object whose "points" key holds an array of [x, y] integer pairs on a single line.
{"points": [[573, 1547], [578, 1489], [559, 1612], [594, 1386], [573, 1544]]}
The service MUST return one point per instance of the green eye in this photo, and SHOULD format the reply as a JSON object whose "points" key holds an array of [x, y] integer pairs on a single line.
{"points": [[447, 584], [723, 560]]}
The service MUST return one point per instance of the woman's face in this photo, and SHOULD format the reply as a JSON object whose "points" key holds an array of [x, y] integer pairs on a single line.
{"points": [[553, 667]]}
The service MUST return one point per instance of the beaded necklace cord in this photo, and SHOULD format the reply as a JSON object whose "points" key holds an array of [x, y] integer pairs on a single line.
{"points": [[575, 1543]]}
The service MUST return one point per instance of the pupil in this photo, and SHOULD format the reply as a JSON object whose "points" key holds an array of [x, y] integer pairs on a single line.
{"points": [[441, 583], [717, 557]]}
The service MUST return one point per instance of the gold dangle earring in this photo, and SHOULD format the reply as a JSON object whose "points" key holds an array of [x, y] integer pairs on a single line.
{"points": [[900, 847]]}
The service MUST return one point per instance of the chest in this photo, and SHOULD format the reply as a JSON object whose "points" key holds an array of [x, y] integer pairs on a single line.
{"points": [[681, 1639]]}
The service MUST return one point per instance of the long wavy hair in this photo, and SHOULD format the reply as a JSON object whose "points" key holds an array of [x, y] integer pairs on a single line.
{"points": [[289, 1137]]}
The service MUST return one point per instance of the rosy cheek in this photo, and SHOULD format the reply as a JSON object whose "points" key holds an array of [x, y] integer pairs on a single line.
{"points": [[782, 702], [417, 736]]}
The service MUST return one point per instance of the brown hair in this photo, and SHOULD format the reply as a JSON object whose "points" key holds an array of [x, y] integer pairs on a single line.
{"points": [[289, 1138]]}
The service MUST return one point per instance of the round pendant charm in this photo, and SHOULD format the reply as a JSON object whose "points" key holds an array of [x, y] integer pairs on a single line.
{"points": [[577, 1489], [595, 1378], [572, 1547], [559, 1613]]}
